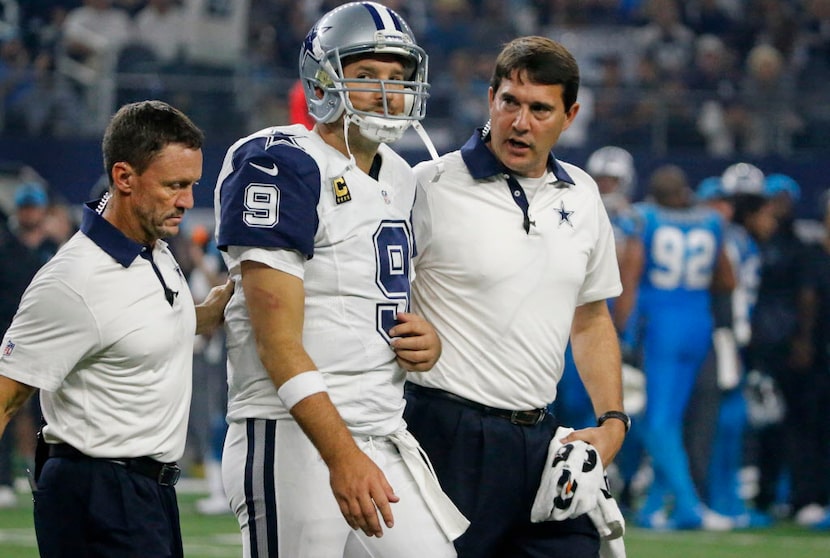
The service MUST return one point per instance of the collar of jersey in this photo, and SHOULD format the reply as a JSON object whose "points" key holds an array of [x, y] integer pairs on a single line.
{"points": [[482, 163], [107, 237]]}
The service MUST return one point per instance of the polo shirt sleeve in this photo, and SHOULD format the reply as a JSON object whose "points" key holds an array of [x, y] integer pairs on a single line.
{"points": [[421, 221], [421, 214], [602, 277], [52, 333]]}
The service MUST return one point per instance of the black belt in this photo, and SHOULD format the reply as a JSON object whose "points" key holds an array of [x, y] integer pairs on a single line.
{"points": [[522, 418], [166, 474]]}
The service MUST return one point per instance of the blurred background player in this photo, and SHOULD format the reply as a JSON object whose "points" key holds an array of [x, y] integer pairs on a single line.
{"points": [[675, 258], [751, 222], [816, 399], [613, 170], [780, 349], [701, 417]]}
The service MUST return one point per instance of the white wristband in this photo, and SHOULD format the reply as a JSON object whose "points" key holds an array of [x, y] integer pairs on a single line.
{"points": [[301, 386]]}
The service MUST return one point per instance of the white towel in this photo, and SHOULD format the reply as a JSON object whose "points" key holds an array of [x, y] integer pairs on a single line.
{"points": [[451, 521], [574, 483], [607, 516]]}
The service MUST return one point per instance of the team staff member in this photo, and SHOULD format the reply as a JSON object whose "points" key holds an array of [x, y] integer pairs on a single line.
{"points": [[316, 230], [516, 254], [105, 331]]}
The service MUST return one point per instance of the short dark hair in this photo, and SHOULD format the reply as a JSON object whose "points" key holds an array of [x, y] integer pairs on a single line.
{"points": [[544, 60], [139, 131]]}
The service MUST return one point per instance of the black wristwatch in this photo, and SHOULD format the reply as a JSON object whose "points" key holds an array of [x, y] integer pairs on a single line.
{"points": [[619, 415]]}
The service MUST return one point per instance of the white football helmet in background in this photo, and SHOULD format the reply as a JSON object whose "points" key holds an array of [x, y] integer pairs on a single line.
{"points": [[616, 164], [742, 178]]}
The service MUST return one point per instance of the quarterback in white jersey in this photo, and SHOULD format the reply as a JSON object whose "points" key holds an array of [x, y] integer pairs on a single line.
{"points": [[315, 227], [348, 236]]}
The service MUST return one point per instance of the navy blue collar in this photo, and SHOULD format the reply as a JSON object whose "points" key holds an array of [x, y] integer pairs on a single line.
{"points": [[482, 163], [107, 236]]}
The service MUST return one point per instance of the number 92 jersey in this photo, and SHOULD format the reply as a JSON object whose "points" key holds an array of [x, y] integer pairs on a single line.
{"points": [[681, 251], [284, 189]]}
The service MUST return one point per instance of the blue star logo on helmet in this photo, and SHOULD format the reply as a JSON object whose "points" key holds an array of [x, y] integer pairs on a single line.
{"points": [[310, 42]]}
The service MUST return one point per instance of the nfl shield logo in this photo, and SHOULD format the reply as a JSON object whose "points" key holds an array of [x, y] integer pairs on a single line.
{"points": [[7, 350]]}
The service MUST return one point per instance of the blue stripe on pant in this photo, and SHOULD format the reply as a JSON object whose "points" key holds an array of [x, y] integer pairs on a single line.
{"points": [[491, 469], [259, 487]]}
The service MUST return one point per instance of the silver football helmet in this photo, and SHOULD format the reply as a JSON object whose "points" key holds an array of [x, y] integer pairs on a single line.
{"points": [[616, 163], [362, 28], [742, 178]]}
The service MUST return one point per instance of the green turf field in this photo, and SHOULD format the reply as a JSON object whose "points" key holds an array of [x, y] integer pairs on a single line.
{"points": [[218, 537]]}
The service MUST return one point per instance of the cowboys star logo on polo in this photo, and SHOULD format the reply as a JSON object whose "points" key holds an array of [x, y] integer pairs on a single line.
{"points": [[564, 215]]}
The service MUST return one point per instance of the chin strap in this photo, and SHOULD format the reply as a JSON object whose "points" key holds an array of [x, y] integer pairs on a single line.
{"points": [[352, 163], [374, 128], [439, 164]]}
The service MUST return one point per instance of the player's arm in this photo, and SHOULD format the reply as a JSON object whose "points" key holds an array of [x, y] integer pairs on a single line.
{"points": [[276, 302], [723, 276], [13, 395], [631, 263], [596, 352]]}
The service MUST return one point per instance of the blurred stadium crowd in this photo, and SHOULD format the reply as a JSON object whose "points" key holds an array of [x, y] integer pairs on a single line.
{"points": [[725, 76]]}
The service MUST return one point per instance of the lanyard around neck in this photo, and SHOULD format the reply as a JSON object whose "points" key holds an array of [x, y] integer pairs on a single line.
{"points": [[169, 294]]}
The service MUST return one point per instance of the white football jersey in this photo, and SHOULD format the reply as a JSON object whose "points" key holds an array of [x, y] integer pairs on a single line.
{"points": [[284, 189]]}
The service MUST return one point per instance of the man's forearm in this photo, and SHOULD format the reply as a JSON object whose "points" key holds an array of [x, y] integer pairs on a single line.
{"points": [[13, 395]]}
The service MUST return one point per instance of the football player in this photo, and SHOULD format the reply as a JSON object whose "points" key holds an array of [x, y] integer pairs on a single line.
{"points": [[316, 230]]}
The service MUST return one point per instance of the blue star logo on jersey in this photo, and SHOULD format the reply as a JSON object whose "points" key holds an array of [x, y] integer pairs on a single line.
{"points": [[281, 139], [564, 215]]}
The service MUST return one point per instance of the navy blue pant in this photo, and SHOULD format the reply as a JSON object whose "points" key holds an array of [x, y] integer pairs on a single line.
{"points": [[87, 508], [491, 469]]}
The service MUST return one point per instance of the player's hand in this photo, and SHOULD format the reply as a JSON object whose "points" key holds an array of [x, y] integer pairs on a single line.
{"points": [[416, 345], [361, 491]]}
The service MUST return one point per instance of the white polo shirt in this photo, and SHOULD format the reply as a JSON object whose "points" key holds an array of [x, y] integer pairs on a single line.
{"points": [[503, 299], [111, 356]]}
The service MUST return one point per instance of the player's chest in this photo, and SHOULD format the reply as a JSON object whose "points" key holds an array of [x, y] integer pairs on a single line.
{"points": [[352, 203]]}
